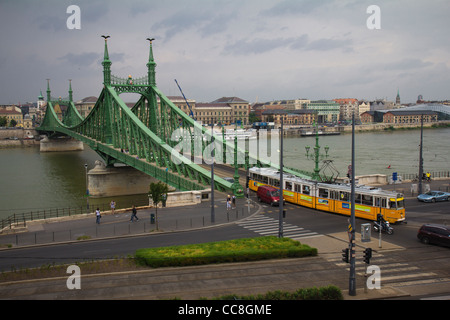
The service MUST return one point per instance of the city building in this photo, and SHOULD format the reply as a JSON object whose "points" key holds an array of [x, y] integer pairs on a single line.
{"points": [[348, 107], [399, 116], [84, 106], [290, 117], [12, 113], [239, 108], [327, 111], [409, 116], [180, 102], [216, 113]]}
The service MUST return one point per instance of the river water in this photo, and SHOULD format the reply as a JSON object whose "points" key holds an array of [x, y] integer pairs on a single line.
{"points": [[32, 181]]}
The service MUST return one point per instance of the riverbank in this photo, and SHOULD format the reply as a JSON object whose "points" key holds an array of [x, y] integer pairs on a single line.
{"points": [[19, 143], [372, 127], [18, 137]]}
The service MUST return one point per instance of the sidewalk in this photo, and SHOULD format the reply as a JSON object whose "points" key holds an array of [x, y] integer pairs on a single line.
{"points": [[410, 191], [169, 219]]}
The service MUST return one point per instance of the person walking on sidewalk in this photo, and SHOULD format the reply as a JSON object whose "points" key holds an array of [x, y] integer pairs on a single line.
{"points": [[133, 214], [98, 215], [113, 206], [233, 201], [228, 203]]}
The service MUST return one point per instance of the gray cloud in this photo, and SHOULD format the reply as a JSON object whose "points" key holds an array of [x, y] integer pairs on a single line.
{"points": [[260, 46], [330, 44], [221, 47], [294, 7], [407, 64], [83, 59]]}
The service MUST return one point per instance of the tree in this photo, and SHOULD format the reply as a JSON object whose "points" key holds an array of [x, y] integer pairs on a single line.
{"points": [[157, 192], [3, 121]]}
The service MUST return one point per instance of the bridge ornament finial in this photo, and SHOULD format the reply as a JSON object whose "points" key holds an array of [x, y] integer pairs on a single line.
{"points": [[151, 65], [106, 64]]}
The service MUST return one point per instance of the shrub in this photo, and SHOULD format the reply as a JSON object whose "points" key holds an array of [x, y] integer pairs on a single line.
{"points": [[322, 293], [240, 250]]}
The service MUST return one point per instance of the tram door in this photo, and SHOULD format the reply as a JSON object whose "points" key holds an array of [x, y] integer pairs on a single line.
{"points": [[378, 205]]}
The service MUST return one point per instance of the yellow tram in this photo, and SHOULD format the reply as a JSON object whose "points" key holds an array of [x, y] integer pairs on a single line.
{"points": [[335, 198]]}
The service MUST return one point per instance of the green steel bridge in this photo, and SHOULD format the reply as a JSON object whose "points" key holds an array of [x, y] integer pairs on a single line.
{"points": [[141, 136]]}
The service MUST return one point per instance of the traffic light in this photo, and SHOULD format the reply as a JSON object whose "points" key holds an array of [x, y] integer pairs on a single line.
{"points": [[367, 255], [345, 255]]}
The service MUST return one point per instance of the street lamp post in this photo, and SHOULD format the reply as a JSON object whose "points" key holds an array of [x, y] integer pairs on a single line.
{"points": [[421, 156], [316, 155], [280, 214], [213, 214], [87, 187], [352, 278]]}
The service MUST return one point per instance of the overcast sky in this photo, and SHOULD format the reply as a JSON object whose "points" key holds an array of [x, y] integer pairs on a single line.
{"points": [[254, 49]]}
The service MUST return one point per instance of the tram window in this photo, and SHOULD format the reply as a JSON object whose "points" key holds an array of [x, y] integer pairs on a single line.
{"points": [[288, 186], [367, 200], [323, 193], [275, 182], [383, 202], [400, 204], [297, 188], [377, 202], [344, 196], [264, 179], [357, 198], [392, 204], [306, 190]]}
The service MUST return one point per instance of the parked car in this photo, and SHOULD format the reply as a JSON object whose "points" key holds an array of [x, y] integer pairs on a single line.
{"points": [[269, 195], [433, 196], [434, 233], [229, 179]]}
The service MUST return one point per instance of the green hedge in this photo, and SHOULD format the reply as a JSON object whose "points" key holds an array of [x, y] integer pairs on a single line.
{"points": [[251, 249], [323, 293]]}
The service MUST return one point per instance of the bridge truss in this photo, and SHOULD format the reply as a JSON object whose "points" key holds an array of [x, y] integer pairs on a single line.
{"points": [[142, 136]]}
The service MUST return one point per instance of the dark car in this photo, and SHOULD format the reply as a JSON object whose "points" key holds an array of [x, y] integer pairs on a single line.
{"points": [[434, 233]]}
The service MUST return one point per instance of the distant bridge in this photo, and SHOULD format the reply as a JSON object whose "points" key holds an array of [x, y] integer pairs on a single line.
{"points": [[141, 136]]}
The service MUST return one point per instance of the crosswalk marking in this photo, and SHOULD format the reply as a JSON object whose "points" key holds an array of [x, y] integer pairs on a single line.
{"points": [[267, 226], [392, 273]]}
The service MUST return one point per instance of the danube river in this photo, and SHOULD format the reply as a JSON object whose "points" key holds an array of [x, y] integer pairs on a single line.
{"points": [[32, 181]]}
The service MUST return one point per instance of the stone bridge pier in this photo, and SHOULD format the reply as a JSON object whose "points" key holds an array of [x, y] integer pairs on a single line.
{"points": [[60, 144], [117, 181]]}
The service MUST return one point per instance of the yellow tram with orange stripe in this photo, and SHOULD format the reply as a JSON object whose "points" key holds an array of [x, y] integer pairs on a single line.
{"points": [[334, 198]]}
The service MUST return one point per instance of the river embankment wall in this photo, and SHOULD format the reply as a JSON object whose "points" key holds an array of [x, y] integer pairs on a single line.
{"points": [[371, 127], [18, 137]]}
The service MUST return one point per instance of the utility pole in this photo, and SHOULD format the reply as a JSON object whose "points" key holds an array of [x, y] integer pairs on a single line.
{"points": [[213, 214], [421, 155], [280, 204], [352, 278]]}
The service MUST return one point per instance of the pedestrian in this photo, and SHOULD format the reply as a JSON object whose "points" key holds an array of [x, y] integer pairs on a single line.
{"points": [[164, 199], [113, 206], [98, 215], [233, 200], [228, 202], [133, 214]]}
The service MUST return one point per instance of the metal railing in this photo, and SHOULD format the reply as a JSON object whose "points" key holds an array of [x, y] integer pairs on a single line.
{"points": [[20, 219], [434, 175]]}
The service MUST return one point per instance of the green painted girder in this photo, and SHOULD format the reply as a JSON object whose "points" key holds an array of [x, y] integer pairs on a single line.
{"points": [[112, 127]]}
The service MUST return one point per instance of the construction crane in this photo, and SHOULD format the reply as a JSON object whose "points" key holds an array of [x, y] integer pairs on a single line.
{"points": [[191, 114]]}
